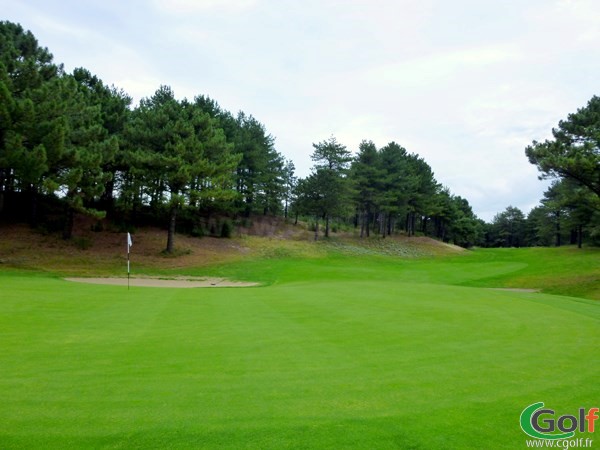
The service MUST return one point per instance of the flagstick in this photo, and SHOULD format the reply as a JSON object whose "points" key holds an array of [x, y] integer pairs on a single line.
{"points": [[129, 244]]}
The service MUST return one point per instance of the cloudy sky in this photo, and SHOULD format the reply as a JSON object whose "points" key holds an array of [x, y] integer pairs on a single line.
{"points": [[467, 84]]}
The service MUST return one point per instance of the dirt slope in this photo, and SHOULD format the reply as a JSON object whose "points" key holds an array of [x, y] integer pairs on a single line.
{"points": [[91, 253]]}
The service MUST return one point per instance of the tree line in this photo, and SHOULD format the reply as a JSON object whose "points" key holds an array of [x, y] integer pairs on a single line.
{"points": [[70, 144], [382, 191], [569, 212]]}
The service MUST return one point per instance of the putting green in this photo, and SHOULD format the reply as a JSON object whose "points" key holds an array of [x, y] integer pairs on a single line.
{"points": [[335, 353]]}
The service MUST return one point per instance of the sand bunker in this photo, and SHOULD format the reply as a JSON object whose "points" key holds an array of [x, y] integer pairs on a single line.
{"points": [[191, 282]]}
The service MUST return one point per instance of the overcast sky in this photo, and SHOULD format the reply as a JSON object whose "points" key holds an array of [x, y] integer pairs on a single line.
{"points": [[466, 84]]}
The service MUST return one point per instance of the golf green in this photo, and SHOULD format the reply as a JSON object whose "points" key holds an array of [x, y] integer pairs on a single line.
{"points": [[335, 352]]}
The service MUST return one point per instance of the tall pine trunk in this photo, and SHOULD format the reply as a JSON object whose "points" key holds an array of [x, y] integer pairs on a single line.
{"points": [[317, 228], [327, 225], [107, 200], [362, 224], [558, 228], [33, 206], [410, 224], [69, 220], [171, 234], [2, 178]]}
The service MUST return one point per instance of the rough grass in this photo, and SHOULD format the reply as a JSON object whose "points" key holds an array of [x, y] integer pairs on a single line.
{"points": [[104, 253], [565, 270]]}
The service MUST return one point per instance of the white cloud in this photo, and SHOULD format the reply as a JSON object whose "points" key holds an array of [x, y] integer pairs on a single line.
{"points": [[199, 6], [441, 67], [65, 29]]}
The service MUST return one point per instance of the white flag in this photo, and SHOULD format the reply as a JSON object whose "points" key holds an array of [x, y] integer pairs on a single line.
{"points": [[129, 242]]}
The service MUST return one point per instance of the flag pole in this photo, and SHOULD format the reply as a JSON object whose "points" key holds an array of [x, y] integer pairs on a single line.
{"points": [[129, 244]]}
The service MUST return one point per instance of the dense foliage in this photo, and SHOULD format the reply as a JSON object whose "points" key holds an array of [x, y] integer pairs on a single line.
{"points": [[382, 191], [570, 210], [71, 144]]}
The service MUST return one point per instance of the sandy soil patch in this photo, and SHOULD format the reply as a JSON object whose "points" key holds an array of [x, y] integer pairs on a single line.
{"points": [[166, 283]]}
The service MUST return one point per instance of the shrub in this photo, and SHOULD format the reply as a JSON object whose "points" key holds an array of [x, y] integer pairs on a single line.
{"points": [[82, 243], [198, 231]]}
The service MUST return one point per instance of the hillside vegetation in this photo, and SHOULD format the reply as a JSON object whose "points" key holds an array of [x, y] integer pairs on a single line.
{"points": [[249, 257], [104, 253]]}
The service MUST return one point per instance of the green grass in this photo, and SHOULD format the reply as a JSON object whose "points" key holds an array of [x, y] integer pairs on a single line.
{"points": [[334, 351], [565, 271]]}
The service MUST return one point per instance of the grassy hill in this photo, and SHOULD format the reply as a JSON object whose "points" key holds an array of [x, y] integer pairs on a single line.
{"points": [[104, 253], [565, 271]]}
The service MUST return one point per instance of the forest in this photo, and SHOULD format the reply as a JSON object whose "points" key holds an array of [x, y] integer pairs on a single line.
{"points": [[569, 212], [72, 145]]}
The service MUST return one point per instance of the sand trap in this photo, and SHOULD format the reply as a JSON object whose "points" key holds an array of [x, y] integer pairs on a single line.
{"points": [[190, 282]]}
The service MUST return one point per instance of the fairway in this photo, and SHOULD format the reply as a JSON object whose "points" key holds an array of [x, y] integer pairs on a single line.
{"points": [[329, 352]]}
